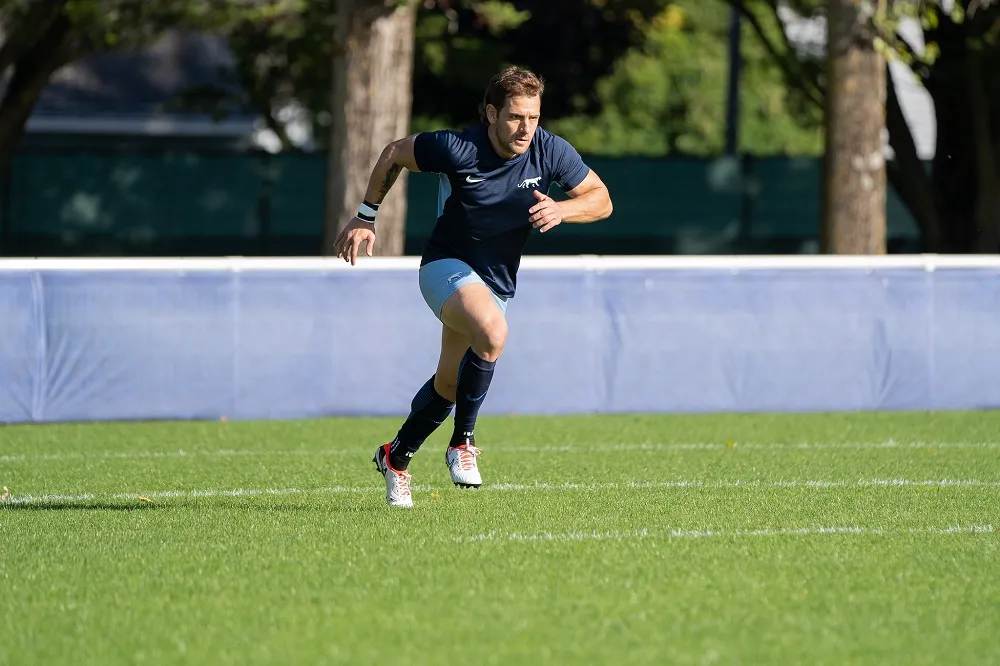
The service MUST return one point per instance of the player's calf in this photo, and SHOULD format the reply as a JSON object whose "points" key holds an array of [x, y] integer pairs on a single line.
{"points": [[428, 410], [474, 377]]}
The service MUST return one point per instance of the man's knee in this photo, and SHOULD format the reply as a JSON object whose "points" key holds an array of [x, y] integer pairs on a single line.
{"points": [[489, 338], [472, 311]]}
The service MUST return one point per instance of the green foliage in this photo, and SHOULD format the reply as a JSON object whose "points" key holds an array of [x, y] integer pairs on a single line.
{"points": [[498, 16], [286, 58], [660, 68], [457, 50], [122, 25], [975, 24], [464, 56], [669, 94], [125, 24]]}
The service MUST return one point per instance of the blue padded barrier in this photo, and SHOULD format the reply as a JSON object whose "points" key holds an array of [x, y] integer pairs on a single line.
{"points": [[258, 338]]}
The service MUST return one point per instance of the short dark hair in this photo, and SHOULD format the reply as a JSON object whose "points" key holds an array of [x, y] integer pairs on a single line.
{"points": [[510, 82]]}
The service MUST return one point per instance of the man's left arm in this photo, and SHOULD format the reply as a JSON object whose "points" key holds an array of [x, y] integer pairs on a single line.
{"points": [[589, 201]]}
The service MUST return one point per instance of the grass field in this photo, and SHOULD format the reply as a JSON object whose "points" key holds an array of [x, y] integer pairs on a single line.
{"points": [[819, 539]]}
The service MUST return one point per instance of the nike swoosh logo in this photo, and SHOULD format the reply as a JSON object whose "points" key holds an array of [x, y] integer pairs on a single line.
{"points": [[469, 396], [470, 179]]}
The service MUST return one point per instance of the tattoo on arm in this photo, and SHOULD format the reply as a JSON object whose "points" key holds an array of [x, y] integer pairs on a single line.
{"points": [[390, 178]]}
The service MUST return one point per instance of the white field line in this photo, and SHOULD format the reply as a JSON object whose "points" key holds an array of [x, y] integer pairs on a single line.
{"points": [[666, 533], [191, 494], [556, 448], [638, 485], [142, 455], [720, 445], [376, 488]]}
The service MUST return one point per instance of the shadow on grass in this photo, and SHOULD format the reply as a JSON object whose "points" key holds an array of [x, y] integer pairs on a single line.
{"points": [[79, 506]]}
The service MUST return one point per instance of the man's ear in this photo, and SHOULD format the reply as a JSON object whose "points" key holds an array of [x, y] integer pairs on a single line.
{"points": [[491, 113]]}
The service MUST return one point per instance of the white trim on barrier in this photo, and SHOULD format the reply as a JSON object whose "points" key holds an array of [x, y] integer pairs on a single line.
{"points": [[736, 263]]}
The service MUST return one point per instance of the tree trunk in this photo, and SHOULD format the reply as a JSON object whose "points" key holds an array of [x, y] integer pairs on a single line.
{"points": [[954, 170], [31, 75], [966, 172], [855, 203], [986, 215], [909, 176], [372, 94]]}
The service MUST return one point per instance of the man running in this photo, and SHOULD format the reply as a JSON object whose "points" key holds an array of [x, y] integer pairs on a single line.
{"points": [[494, 179]]}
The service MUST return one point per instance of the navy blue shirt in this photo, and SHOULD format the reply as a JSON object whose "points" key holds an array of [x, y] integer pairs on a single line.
{"points": [[484, 199]]}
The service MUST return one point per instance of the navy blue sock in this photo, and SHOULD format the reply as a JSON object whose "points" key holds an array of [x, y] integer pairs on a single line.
{"points": [[474, 377], [428, 410]]}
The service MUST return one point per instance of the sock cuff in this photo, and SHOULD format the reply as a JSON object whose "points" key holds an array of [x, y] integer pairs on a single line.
{"points": [[434, 397], [478, 361], [437, 397], [428, 396], [440, 400]]}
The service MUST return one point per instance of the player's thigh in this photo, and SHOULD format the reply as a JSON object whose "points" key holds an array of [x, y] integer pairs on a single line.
{"points": [[473, 311], [459, 297], [453, 348]]}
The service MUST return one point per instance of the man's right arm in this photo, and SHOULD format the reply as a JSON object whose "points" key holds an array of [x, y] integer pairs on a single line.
{"points": [[395, 157], [431, 150], [435, 151]]}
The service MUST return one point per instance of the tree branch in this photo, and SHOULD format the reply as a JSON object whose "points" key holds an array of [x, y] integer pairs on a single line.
{"points": [[790, 48], [275, 126], [28, 31], [908, 53], [31, 75], [905, 47], [795, 75]]}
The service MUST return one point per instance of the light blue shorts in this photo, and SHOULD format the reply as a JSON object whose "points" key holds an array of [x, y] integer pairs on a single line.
{"points": [[441, 278]]}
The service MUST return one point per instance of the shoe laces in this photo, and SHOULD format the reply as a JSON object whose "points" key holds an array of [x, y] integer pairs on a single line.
{"points": [[467, 454], [402, 483]]}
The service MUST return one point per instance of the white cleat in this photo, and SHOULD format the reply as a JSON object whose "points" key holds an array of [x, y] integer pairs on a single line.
{"points": [[462, 464], [397, 482]]}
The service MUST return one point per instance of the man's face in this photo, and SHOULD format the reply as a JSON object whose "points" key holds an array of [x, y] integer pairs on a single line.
{"points": [[516, 123]]}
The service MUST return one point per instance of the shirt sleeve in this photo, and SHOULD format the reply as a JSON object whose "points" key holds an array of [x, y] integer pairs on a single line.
{"points": [[437, 151], [568, 168]]}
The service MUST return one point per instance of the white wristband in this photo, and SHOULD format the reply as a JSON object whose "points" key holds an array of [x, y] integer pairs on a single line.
{"points": [[367, 212]]}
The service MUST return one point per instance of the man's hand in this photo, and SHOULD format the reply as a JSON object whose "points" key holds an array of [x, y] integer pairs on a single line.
{"points": [[349, 241], [545, 214]]}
